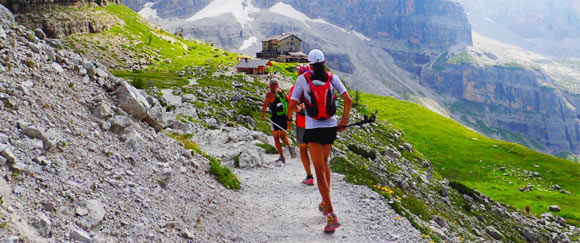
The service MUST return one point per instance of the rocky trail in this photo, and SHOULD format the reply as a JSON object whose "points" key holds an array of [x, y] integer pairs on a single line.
{"points": [[274, 206]]}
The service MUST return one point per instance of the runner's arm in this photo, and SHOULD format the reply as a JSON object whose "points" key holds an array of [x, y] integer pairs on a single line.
{"points": [[267, 102], [346, 111]]}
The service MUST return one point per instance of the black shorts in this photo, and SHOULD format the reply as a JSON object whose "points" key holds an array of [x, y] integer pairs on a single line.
{"points": [[280, 121], [300, 134], [325, 135]]}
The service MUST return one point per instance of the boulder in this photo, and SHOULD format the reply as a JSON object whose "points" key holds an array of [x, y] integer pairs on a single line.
{"points": [[440, 221], [34, 132], [494, 233], [119, 124], [7, 153], [392, 153], [6, 14], [556, 187], [555, 208], [96, 213], [529, 235], [408, 147], [42, 225], [40, 34], [565, 192], [188, 98], [133, 140], [80, 236], [536, 174], [103, 111], [251, 158], [132, 101], [444, 192]]}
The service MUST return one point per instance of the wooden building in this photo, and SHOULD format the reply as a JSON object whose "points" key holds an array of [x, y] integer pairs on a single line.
{"points": [[282, 48], [253, 66]]}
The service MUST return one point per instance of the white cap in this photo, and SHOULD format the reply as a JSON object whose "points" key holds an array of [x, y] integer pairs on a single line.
{"points": [[315, 56]]}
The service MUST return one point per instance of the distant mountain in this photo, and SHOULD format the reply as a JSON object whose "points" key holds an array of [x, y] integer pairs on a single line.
{"points": [[420, 50], [550, 27]]}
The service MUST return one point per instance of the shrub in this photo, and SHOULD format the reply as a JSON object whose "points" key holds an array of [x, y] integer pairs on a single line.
{"points": [[223, 174], [355, 174], [269, 148], [463, 189], [369, 154], [417, 207]]}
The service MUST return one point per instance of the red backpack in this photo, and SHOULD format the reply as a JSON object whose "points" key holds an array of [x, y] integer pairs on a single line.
{"points": [[322, 104]]}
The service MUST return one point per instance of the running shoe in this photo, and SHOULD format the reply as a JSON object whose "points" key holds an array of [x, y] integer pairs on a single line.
{"points": [[281, 159], [292, 152], [332, 223], [322, 208], [308, 181]]}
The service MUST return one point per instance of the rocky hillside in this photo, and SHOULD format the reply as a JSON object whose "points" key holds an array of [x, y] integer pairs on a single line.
{"points": [[80, 160], [66, 21]]}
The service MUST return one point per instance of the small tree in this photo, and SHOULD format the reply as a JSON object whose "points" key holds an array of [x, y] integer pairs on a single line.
{"points": [[150, 39], [356, 99]]}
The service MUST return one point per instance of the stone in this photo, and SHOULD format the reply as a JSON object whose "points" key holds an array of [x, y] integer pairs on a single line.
{"points": [[494, 233], [536, 174], [119, 124], [527, 188], [502, 168], [7, 153], [48, 206], [34, 132], [408, 147], [444, 192], [440, 221], [42, 225], [392, 153], [529, 235], [565, 192], [80, 236], [33, 47], [188, 98], [101, 73], [500, 211], [6, 14], [561, 221], [2, 33], [91, 70], [250, 158], [95, 215], [177, 125], [103, 111], [133, 140], [56, 67], [555, 208], [556, 187], [132, 101]]}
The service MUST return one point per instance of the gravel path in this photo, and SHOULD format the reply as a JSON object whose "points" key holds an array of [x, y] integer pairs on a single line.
{"points": [[273, 206]]}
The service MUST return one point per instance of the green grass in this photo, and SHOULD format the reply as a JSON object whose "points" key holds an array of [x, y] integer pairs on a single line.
{"points": [[287, 69], [463, 155], [269, 148], [223, 174], [154, 79], [461, 58], [165, 51]]}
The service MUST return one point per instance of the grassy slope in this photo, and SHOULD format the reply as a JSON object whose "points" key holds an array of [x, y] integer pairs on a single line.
{"points": [[466, 156], [137, 36]]}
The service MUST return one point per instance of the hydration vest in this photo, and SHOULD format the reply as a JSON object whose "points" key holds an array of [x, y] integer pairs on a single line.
{"points": [[321, 105], [280, 106]]}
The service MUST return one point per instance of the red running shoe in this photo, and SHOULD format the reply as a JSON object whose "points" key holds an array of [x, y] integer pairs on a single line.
{"points": [[308, 181], [332, 223], [322, 208]]}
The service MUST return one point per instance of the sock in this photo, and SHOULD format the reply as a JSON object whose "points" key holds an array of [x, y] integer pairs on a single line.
{"points": [[309, 177]]}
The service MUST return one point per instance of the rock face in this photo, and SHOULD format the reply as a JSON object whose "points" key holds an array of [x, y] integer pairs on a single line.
{"points": [[21, 6], [509, 99], [63, 23]]}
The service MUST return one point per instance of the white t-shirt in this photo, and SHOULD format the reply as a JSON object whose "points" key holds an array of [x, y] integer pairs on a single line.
{"points": [[303, 88]]}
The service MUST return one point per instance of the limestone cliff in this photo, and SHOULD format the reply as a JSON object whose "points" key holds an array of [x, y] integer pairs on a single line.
{"points": [[65, 21], [504, 102]]}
